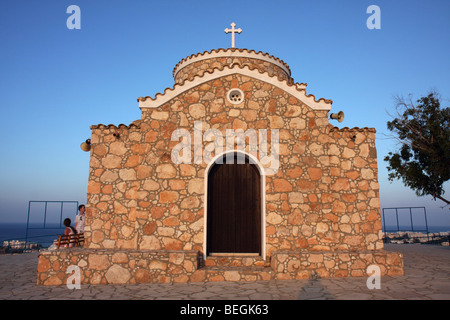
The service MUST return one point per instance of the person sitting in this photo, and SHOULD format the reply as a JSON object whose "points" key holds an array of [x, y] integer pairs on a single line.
{"points": [[69, 231]]}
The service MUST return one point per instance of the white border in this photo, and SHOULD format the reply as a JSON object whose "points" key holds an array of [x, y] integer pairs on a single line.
{"points": [[255, 161]]}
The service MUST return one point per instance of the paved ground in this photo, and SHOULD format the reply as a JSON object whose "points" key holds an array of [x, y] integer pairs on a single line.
{"points": [[427, 277]]}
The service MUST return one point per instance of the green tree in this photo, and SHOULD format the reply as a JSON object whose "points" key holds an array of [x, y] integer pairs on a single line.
{"points": [[423, 160]]}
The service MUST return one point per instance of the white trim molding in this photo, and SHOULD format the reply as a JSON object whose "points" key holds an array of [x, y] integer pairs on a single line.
{"points": [[296, 90]]}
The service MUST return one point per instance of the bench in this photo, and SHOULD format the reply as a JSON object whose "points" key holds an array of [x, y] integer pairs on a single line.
{"points": [[70, 240]]}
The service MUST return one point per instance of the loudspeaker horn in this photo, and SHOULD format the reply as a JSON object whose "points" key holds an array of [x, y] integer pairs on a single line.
{"points": [[86, 146], [337, 116]]}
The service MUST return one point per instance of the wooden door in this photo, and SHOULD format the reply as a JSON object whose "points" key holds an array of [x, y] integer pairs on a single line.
{"points": [[234, 208]]}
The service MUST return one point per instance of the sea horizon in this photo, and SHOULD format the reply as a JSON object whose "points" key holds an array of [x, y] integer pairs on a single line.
{"points": [[18, 231]]}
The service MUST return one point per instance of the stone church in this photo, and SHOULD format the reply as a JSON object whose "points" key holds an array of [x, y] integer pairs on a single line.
{"points": [[233, 174]]}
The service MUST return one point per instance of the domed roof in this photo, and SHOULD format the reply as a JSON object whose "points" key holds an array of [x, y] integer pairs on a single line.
{"points": [[210, 65], [198, 64]]}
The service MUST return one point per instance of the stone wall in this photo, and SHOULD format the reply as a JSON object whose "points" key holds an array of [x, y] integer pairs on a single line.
{"points": [[117, 266], [305, 264], [146, 214], [105, 266], [323, 197]]}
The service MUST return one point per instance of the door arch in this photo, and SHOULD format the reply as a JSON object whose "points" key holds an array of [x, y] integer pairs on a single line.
{"points": [[234, 205]]}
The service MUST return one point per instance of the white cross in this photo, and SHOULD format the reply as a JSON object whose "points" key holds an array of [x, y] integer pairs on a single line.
{"points": [[233, 30]]}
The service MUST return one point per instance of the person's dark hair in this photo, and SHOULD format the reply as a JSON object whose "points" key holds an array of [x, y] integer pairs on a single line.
{"points": [[81, 206], [67, 223]]}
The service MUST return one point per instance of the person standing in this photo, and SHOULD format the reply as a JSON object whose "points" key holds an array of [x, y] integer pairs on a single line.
{"points": [[80, 219]]}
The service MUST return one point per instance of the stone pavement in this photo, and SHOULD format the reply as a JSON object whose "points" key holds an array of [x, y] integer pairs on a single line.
{"points": [[427, 277]]}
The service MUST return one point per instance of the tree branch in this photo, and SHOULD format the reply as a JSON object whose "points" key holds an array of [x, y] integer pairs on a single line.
{"points": [[445, 200]]}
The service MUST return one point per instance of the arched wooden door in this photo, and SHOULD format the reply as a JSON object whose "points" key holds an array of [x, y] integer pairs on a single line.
{"points": [[234, 208]]}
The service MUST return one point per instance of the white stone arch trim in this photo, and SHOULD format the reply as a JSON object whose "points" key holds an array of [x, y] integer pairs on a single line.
{"points": [[253, 160], [222, 53], [296, 90]]}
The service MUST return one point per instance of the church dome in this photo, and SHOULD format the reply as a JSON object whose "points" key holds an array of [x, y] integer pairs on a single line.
{"points": [[198, 64]]}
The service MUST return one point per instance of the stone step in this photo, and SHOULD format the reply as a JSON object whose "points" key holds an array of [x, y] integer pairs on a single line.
{"points": [[227, 273], [235, 261]]}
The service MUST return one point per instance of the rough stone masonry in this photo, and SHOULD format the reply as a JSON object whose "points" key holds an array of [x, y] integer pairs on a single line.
{"points": [[146, 215]]}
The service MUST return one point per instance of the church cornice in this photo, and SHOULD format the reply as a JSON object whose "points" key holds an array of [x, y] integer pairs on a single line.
{"points": [[355, 129], [135, 124], [295, 89], [230, 53]]}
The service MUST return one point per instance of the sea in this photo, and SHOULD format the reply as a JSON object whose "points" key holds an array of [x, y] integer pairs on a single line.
{"points": [[37, 233], [45, 235]]}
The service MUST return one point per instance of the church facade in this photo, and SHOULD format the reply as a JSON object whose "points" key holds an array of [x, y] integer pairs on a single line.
{"points": [[233, 174]]}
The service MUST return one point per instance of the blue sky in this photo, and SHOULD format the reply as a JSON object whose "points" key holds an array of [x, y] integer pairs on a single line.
{"points": [[55, 82]]}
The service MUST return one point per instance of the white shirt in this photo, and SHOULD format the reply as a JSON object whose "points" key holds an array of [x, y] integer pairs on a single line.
{"points": [[79, 222]]}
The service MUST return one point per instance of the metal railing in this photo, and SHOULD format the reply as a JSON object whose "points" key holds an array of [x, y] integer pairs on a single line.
{"points": [[398, 229], [45, 223]]}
